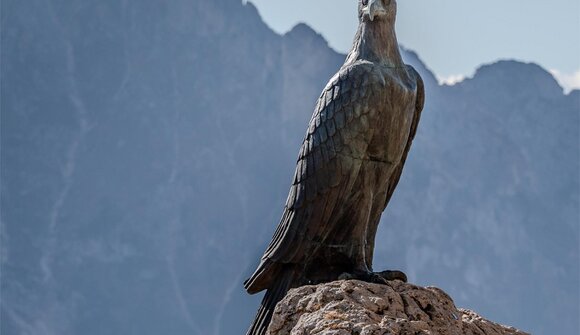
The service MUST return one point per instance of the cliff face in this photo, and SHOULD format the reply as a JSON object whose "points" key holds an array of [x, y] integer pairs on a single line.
{"points": [[355, 307]]}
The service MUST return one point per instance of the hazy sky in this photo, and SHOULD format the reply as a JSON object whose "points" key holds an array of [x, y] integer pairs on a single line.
{"points": [[454, 37]]}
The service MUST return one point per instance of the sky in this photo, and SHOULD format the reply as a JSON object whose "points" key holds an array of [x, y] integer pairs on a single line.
{"points": [[454, 37]]}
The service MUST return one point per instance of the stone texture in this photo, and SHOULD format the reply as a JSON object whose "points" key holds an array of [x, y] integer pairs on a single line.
{"points": [[355, 307]]}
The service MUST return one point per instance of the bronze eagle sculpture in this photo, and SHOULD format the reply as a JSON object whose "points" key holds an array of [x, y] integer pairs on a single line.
{"points": [[349, 164]]}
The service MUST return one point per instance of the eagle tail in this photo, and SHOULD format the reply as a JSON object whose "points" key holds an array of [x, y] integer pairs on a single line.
{"points": [[273, 296]]}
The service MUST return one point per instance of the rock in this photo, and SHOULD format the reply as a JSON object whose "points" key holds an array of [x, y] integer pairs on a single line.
{"points": [[355, 307]]}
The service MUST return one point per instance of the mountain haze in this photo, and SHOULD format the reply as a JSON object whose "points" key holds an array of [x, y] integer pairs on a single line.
{"points": [[147, 148]]}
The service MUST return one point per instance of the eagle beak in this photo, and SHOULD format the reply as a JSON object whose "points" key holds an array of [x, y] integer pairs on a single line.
{"points": [[375, 8]]}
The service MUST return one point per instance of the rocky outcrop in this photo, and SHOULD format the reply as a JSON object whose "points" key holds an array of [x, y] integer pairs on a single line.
{"points": [[355, 307]]}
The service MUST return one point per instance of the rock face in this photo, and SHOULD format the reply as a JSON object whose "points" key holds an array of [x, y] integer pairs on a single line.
{"points": [[355, 307]]}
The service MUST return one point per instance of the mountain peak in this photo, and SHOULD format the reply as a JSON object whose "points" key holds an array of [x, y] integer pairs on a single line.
{"points": [[304, 32], [529, 77]]}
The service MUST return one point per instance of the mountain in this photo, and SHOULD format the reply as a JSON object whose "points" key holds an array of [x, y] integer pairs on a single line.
{"points": [[147, 148]]}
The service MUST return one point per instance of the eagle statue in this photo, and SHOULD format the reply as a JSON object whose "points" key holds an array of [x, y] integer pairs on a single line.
{"points": [[349, 164]]}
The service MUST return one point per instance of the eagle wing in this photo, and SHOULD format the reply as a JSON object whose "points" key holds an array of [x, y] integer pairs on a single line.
{"points": [[328, 163]]}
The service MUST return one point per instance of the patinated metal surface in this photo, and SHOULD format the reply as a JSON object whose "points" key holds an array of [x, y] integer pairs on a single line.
{"points": [[349, 164]]}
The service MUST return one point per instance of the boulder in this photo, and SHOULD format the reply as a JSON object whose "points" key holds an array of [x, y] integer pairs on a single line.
{"points": [[355, 307]]}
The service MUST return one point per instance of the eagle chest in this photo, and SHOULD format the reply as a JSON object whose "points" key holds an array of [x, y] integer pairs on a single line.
{"points": [[393, 118]]}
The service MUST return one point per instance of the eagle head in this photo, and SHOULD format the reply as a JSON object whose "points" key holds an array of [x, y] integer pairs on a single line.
{"points": [[371, 10]]}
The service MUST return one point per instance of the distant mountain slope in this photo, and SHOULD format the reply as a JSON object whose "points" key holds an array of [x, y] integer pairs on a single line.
{"points": [[147, 148], [493, 188]]}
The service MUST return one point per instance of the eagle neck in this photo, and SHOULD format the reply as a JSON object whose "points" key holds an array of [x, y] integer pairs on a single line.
{"points": [[376, 42]]}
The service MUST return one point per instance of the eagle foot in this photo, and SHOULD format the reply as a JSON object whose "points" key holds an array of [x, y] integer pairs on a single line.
{"points": [[382, 277], [391, 275]]}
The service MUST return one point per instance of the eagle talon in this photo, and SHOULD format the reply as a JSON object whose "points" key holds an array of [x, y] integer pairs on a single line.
{"points": [[382, 277], [391, 275], [369, 277], [346, 276], [377, 279]]}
